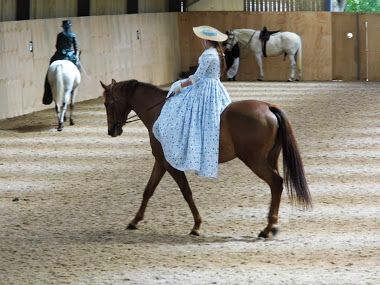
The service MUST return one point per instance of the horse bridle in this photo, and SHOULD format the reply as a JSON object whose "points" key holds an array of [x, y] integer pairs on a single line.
{"points": [[129, 119]]}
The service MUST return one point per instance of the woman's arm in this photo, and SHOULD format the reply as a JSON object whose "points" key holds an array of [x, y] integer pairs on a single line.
{"points": [[186, 83], [199, 73], [182, 85]]}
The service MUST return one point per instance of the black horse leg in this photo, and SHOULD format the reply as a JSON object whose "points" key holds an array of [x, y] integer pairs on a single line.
{"points": [[155, 177], [180, 178]]}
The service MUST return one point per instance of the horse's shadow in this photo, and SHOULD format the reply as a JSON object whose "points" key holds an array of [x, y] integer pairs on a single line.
{"points": [[29, 128], [134, 237]]}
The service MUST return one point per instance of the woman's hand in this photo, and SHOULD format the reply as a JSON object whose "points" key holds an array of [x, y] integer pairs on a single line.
{"points": [[177, 89]]}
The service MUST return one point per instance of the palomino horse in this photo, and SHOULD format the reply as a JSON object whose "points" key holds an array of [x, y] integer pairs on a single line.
{"points": [[64, 78], [253, 131], [286, 43]]}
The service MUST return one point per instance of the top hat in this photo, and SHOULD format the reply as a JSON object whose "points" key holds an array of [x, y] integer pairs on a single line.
{"points": [[66, 23]]}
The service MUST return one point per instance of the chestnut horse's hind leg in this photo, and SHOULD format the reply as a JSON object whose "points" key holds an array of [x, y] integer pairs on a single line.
{"points": [[155, 177], [180, 178], [268, 172]]}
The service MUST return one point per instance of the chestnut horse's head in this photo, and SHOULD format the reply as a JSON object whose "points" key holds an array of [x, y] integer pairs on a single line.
{"points": [[116, 104]]}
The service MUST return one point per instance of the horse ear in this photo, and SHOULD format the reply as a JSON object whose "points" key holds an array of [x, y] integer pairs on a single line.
{"points": [[113, 81], [103, 85]]}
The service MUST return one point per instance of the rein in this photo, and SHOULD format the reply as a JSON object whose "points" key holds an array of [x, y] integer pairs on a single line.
{"points": [[250, 39], [131, 121]]}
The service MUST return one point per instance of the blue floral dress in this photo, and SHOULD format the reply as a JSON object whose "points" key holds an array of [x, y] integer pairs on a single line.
{"points": [[189, 123]]}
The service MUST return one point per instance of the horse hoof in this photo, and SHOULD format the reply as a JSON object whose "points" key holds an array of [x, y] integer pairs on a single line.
{"points": [[263, 235], [60, 127], [72, 123], [275, 231], [195, 232], [260, 79], [131, 226]]}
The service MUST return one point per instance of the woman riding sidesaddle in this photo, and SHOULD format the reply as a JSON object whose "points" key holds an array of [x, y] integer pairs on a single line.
{"points": [[66, 49]]}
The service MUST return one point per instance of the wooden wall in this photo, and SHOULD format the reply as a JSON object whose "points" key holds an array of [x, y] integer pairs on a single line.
{"points": [[156, 6], [350, 54], [46, 9], [313, 27], [52, 9], [345, 49], [110, 49], [113, 7], [7, 10]]}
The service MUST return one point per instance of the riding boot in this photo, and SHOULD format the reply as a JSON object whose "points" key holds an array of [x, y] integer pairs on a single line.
{"points": [[48, 96]]}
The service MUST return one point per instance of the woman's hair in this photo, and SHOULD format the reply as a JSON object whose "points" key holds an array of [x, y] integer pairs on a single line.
{"points": [[220, 51]]}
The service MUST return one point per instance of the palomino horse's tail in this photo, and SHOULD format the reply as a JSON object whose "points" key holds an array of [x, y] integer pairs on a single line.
{"points": [[294, 174]]}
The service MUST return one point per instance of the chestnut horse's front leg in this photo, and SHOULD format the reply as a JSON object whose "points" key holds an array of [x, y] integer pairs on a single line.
{"points": [[180, 178], [155, 178]]}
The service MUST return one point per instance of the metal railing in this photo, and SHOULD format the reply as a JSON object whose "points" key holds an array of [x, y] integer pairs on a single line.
{"points": [[284, 5]]}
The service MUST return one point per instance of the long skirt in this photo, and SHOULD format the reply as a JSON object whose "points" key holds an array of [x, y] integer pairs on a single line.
{"points": [[189, 125]]}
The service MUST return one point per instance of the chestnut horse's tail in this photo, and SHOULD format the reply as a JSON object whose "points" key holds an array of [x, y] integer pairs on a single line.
{"points": [[294, 174]]}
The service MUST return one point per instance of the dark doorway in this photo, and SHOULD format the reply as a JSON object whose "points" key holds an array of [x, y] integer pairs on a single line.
{"points": [[83, 8], [175, 5], [23, 10], [132, 6]]}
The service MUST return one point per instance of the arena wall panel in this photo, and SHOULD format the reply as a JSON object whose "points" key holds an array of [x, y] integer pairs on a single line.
{"points": [[7, 10], [156, 6], [120, 47], [52, 9], [345, 47], [114, 7]]}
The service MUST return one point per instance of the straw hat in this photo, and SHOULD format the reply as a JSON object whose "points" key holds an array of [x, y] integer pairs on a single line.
{"points": [[209, 33]]}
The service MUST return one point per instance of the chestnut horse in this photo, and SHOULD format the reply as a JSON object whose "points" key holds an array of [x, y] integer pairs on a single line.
{"points": [[251, 130]]}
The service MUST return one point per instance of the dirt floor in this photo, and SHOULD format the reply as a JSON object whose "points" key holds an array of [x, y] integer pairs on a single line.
{"points": [[66, 198]]}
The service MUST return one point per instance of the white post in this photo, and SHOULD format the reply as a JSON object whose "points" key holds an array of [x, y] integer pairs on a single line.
{"points": [[366, 48]]}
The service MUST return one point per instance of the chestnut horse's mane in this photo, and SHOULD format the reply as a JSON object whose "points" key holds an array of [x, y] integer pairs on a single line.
{"points": [[135, 84]]}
